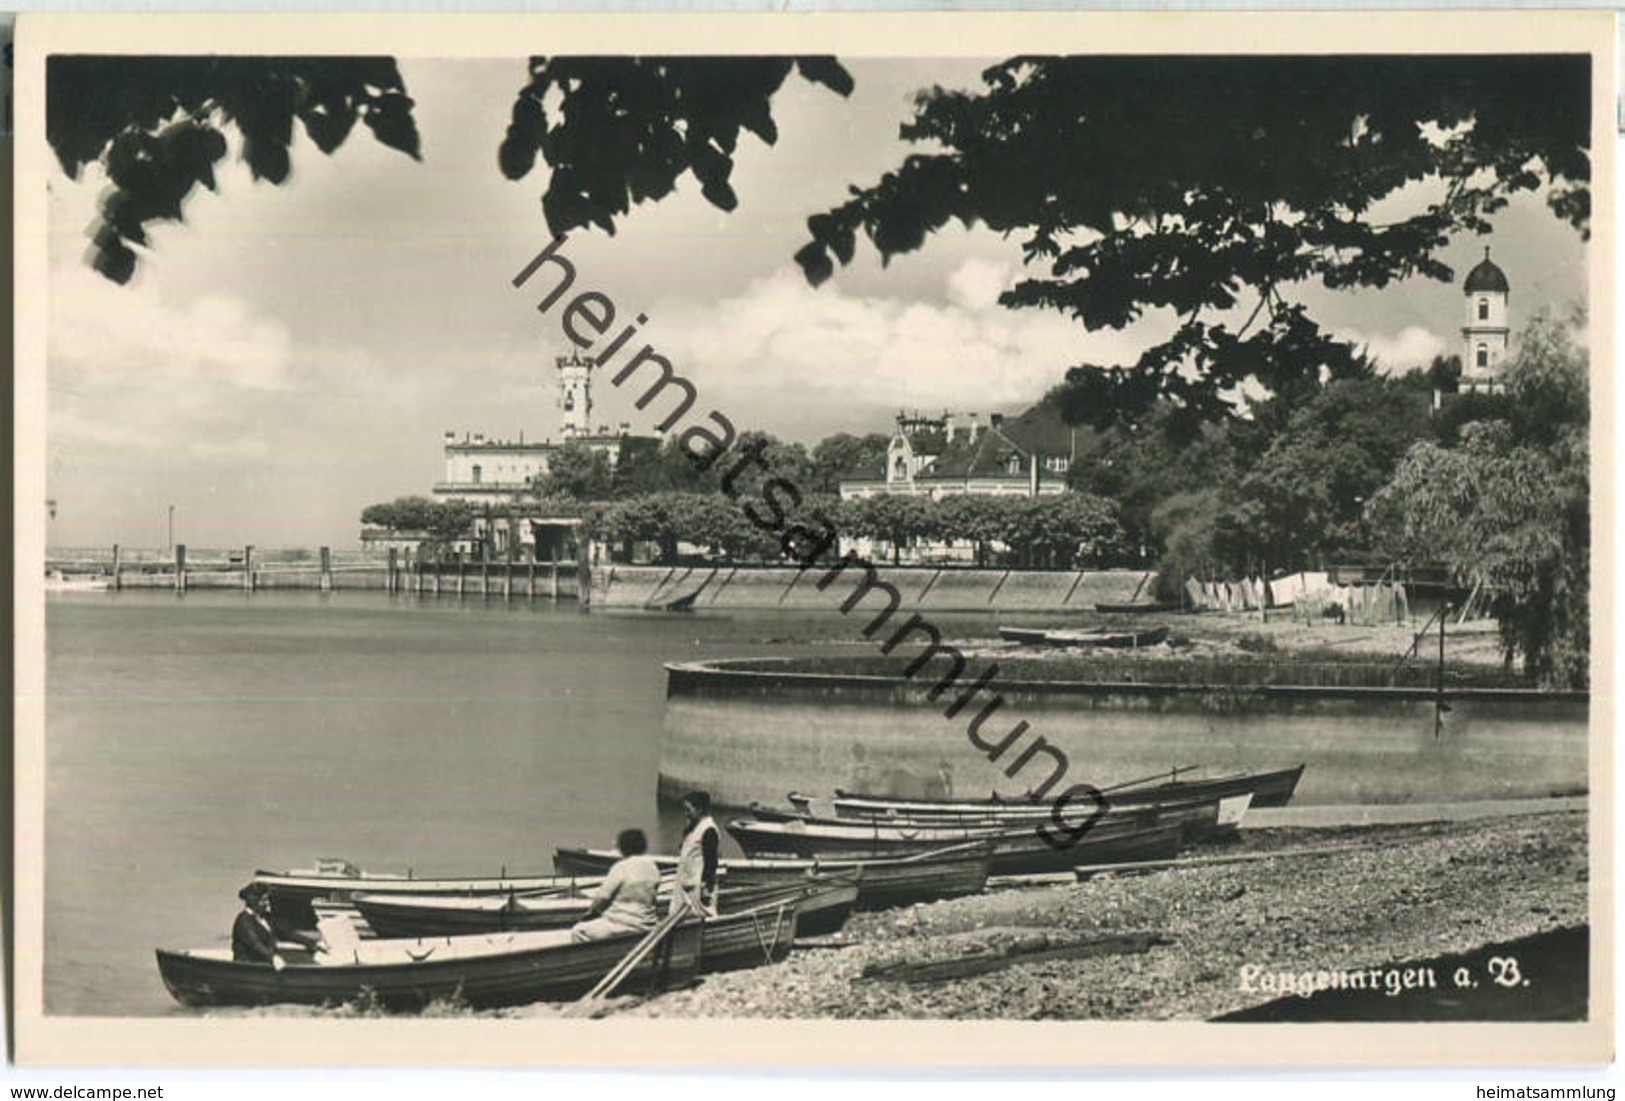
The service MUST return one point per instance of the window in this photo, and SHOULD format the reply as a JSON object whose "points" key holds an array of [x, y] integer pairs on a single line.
{"points": [[1483, 309], [1483, 357], [477, 473]]}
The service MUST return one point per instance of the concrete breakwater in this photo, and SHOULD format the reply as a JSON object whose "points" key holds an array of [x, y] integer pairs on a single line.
{"points": [[752, 730], [920, 588]]}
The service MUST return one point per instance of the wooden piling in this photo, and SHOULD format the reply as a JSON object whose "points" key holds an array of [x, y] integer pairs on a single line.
{"points": [[389, 578], [180, 568], [461, 574], [118, 568], [507, 571], [554, 580], [326, 582], [248, 568]]}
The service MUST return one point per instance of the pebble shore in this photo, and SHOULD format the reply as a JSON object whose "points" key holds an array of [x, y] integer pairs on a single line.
{"points": [[1390, 894]]}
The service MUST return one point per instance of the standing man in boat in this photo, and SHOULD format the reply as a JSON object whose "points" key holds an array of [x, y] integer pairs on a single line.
{"points": [[625, 901], [696, 886]]}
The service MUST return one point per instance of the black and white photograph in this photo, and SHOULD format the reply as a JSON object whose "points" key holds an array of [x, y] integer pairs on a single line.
{"points": [[779, 532]]}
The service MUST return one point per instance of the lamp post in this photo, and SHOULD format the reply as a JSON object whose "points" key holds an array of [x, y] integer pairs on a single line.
{"points": [[171, 527]]}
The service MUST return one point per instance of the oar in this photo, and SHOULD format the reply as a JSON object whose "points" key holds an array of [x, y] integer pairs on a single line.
{"points": [[620, 971]]}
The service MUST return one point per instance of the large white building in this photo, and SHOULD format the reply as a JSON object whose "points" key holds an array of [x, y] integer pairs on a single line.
{"points": [[491, 470]]}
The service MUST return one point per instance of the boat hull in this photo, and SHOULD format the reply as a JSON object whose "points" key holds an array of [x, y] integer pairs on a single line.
{"points": [[1010, 852], [526, 970], [882, 883], [823, 904]]}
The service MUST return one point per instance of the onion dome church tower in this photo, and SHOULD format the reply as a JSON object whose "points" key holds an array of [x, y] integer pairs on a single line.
{"points": [[1484, 337]]}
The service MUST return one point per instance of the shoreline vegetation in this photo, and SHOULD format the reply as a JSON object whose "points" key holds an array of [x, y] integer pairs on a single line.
{"points": [[1378, 922]]}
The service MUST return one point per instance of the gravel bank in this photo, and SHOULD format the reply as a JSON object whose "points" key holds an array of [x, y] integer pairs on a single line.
{"points": [[1395, 894]]}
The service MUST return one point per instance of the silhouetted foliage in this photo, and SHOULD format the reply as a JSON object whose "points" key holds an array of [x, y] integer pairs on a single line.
{"points": [[624, 130], [158, 125], [1136, 198]]}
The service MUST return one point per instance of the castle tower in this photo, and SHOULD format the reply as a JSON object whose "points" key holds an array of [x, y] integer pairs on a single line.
{"points": [[1484, 337], [575, 395]]}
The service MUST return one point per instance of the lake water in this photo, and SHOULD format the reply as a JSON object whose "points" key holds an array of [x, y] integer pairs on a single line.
{"points": [[190, 741]]}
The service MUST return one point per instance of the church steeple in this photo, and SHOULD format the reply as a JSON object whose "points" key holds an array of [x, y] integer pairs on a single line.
{"points": [[1486, 334]]}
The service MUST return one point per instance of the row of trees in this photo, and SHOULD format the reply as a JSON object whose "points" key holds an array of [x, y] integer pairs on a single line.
{"points": [[1063, 531]]}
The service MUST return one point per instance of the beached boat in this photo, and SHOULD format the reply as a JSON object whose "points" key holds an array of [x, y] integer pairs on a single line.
{"points": [[948, 872], [1268, 789], [1011, 850], [292, 892], [1101, 637], [1201, 815], [484, 970], [823, 905]]}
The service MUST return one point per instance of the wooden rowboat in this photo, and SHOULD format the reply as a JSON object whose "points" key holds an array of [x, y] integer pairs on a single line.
{"points": [[1201, 817], [1268, 789], [293, 892], [947, 872], [823, 905], [485, 970], [1112, 638], [1012, 850]]}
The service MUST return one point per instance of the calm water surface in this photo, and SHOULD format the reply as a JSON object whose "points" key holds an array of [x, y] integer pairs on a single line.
{"points": [[190, 741]]}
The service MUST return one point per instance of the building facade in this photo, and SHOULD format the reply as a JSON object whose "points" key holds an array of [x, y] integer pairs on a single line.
{"points": [[489, 471], [1024, 456]]}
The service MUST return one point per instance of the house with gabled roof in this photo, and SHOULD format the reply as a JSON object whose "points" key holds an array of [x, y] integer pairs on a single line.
{"points": [[1023, 456]]}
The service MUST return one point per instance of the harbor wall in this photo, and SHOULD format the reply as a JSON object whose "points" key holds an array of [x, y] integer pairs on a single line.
{"points": [[921, 588], [750, 731]]}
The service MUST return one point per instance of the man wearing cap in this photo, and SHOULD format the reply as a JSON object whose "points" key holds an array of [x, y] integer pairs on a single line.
{"points": [[255, 933], [696, 885]]}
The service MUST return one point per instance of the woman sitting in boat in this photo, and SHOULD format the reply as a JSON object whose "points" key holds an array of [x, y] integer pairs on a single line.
{"points": [[255, 933], [625, 901]]}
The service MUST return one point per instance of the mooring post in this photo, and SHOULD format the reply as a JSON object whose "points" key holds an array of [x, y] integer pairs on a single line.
{"points": [[389, 578], [325, 583], [118, 568], [248, 568], [554, 580], [460, 573], [180, 568], [507, 567]]}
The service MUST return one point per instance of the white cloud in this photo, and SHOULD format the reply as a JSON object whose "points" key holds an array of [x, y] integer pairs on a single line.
{"points": [[803, 362], [1396, 353]]}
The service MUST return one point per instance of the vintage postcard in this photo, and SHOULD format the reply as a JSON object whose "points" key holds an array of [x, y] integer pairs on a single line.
{"points": [[948, 539]]}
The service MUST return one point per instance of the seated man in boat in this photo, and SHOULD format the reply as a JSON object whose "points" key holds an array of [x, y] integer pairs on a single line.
{"points": [[255, 933], [625, 901]]}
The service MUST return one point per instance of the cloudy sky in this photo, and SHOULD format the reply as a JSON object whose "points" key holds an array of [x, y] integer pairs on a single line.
{"points": [[291, 354]]}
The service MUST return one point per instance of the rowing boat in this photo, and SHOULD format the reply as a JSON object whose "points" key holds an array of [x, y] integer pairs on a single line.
{"points": [[484, 970], [1200, 815], [1106, 637], [1268, 789], [293, 892], [1011, 850], [823, 905], [946, 872]]}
